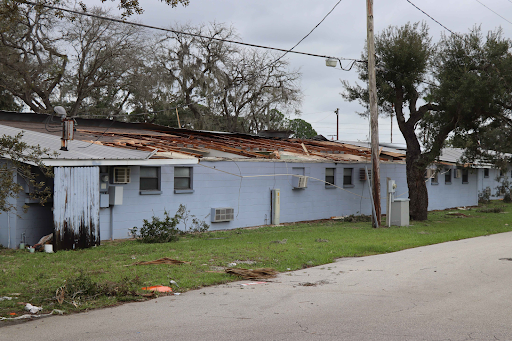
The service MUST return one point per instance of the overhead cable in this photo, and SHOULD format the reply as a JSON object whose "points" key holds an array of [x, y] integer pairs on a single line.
{"points": [[274, 175], [307, 35], [428, 15], [510, 22], [180, 32], [206, 37]]}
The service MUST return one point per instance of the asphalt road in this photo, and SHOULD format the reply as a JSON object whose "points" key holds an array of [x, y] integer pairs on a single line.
{"points": [[452, 291]]}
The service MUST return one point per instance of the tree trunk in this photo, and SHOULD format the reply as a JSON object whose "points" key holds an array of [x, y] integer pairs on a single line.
{"points": [[418, 193]]}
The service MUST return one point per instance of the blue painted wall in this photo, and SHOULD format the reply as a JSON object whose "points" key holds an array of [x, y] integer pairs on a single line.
{"points": [[250, 196], [491, 181], [36, 222], [442, 195]]}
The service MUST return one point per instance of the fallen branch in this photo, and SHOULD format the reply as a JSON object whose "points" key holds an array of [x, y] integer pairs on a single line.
{"points": [[252, 273], [27, 316], [164, 260]]}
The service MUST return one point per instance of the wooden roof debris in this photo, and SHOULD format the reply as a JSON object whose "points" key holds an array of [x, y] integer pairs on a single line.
{"points": [[199, 143], [183, 143]]}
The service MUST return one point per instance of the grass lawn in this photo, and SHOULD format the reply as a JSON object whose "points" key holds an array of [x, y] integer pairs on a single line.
{"points": [[105, 275]]}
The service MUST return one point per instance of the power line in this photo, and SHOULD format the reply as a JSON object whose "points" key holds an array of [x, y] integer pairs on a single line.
{"points": [[313, 113], [495, 12], [323, 118], [184, 33], [428, 15], [201, 36], [314, 28]]}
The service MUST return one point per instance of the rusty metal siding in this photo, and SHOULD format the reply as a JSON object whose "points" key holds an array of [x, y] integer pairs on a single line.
{"points": [[76, 207]]}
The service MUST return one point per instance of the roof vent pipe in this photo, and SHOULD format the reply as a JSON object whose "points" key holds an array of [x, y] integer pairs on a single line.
{"points": [[67, 127]]}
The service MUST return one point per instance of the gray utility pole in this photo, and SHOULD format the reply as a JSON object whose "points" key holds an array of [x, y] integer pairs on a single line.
{"points": [[337, 112], [374, 120]]}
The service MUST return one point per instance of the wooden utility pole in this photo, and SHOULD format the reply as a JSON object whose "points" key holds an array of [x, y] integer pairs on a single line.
{"points": [[178, 116], [337, 112], [391, 128], [374, 119]]}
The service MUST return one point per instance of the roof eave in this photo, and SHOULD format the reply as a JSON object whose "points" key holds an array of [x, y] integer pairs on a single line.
{"points": [[117, 162]]}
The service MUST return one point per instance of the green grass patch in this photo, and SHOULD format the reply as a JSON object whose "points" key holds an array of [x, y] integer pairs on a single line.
{"points": [[105, 275]]}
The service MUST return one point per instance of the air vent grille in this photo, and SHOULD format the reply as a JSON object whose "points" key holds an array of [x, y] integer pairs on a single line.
{"points": [[221, 214], [363, 174], [303, 182], [121, 175]]}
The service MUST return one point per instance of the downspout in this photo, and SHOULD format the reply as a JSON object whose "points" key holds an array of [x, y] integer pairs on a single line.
{"points": [[15, 179], [9, 230], [111, 222]]}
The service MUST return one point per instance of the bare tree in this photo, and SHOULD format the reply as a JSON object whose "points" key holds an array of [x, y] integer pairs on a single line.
{"points": [[190, 65], [85, 64], [224, 86], [106, 66], [32, 61], [254, 85]]}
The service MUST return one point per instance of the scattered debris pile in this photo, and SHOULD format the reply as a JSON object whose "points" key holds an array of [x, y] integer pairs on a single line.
{"points": [[48, 239]]}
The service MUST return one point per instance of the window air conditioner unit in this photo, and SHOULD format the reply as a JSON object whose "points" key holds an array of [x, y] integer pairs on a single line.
{"points": [[458, 173], [363, 176], [221, 214], [121, 175], [303, 182]]}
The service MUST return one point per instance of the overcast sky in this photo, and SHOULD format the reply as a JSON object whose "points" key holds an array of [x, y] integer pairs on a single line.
{"points": [[282, 23]]}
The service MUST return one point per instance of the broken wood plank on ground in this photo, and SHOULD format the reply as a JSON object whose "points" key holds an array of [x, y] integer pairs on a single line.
{"points": [[164, 260], [252, 273]]}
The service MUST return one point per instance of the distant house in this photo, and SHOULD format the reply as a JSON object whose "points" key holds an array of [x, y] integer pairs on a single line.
{"points": [[116, 174], [450, 183], [488, 177]]}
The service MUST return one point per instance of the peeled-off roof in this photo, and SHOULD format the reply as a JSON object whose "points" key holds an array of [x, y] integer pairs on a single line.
{"points": [[168, 142], [199, 144], [77, 150]]}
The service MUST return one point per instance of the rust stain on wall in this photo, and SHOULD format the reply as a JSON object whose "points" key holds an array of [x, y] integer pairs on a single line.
{"points": [[76, 208]]}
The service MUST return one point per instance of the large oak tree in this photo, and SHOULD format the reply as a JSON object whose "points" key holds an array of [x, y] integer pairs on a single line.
{"points": [[437, 90]]}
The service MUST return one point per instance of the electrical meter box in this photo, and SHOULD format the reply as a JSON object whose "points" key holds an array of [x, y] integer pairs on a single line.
{"points": [[391, 186], [104, 182]]}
